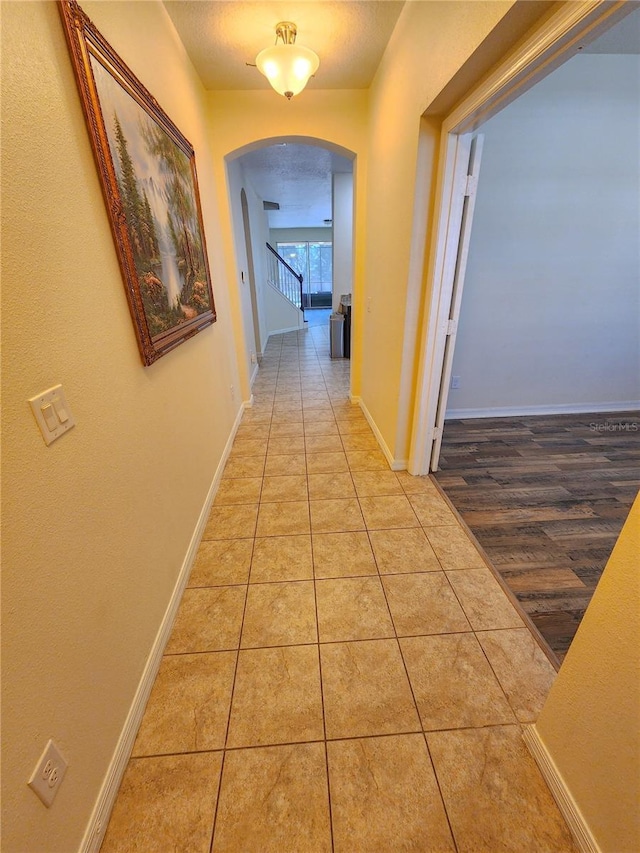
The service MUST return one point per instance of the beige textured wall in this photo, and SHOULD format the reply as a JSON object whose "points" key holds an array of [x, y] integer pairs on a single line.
{"points": [[590, 723], [429, 44], [96, 526]]}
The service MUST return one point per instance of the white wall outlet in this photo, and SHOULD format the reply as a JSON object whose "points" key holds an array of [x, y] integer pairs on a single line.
{"points": [[52, 413], [455, 382], [49, 773]]}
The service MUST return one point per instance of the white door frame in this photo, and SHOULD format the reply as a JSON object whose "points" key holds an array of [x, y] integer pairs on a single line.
{"points": [[251, 273], [465, 182], [557, 40]]}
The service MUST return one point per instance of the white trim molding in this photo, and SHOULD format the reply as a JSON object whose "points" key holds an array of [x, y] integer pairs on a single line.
{"points": [[97, 826], [560, 37], [562, 795], [553, 409], [289, 329]]}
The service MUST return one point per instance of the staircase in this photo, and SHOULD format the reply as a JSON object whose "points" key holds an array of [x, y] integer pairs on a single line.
{"points": [[284, 278]]}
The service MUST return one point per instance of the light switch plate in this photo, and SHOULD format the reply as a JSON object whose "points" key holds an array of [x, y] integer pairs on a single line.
{"points": [[55, 398]]}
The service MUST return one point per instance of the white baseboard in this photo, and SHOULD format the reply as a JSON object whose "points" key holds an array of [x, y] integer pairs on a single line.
{"points": [[556, 409], [284, 331], [561, 794], [99, 820], [395, 464], [254, 373]]}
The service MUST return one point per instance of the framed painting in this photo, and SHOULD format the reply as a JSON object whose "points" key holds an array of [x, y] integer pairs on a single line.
{"points": [[148, 175]]}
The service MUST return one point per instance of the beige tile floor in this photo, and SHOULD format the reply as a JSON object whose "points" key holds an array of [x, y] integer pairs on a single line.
{"points": [[344, 673]]}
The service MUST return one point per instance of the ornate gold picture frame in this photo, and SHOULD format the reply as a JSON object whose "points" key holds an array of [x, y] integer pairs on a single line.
{"points": [[148, 176]]}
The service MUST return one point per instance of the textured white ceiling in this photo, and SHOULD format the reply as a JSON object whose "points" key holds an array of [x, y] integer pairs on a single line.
{"points": [[298, 178], [221, 36]]}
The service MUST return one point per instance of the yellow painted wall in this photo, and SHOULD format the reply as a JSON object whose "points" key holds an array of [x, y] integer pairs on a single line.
{"points": [[95, 527], [590, 723], [429, 44]]}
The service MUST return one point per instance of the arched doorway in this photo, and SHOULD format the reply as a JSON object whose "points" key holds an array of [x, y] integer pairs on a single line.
{"points": [[296, 193]]}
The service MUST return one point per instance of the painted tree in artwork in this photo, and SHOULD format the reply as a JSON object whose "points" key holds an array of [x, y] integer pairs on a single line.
{"points": [[136, 207], [144, 241]]}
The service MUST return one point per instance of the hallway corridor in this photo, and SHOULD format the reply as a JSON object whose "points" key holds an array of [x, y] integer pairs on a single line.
{"points": [[344, 673]]}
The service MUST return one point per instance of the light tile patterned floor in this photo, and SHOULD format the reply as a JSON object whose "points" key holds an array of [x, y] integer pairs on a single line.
{"points": [[344, 674]]}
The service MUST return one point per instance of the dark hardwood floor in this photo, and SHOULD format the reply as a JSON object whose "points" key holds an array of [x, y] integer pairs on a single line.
{"points": [[546, 498]]}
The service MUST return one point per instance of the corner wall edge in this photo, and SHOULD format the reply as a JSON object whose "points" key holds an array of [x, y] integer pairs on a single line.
{"points": [[394, 464], [561, 794]]}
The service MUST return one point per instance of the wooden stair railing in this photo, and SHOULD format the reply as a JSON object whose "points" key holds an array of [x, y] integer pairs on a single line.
{"points": [[284, 278]]}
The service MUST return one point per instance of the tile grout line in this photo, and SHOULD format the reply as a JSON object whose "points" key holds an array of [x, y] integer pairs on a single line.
{"points": [[235, 674], [475, 634], [324, 719], [321, 740], [444, 803], [423, 732]]}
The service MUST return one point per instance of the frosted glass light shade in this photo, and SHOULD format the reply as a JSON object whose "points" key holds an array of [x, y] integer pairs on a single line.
{"points": [[287, 67]]}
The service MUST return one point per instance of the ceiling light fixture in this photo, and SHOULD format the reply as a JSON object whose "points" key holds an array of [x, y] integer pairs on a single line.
{"points": [[287, 66]]}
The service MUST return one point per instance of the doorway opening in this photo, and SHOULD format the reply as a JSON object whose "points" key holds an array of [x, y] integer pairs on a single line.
{"points": [[563, 36], [554, 576], [292, 203]]}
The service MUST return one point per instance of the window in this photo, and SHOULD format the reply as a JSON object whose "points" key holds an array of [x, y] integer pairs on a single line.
{"points": [[314, 261]]}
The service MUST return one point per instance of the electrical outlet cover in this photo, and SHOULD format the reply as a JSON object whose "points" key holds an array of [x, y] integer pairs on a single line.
{"points": [[49, 773]]}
